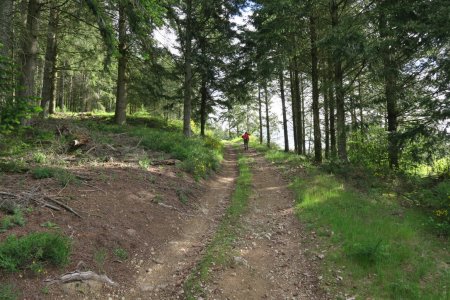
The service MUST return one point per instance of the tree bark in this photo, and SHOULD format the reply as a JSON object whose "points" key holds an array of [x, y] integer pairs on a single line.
{"points": [[315, 91], [390, 73], [299, 115], [29, 53], [6, 27], [331, 102], [327, 118], [121, 95], [260, 116], [339, 92], [203, 114], [266, 100], [294, 109], [283, 108], [188, 72], [49, 82]]}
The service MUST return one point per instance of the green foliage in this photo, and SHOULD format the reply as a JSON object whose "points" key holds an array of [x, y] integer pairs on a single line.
{"points": [[50, 225], [63, 176], [121, 254], [13, 166], [219, 251], [199, 156], [8, 292], [182, 196], [145, 163], [39, 157], [369, 149], [16, 219], [33, 251]]}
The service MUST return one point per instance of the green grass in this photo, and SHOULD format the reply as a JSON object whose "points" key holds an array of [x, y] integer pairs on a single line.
{"points": [[121, 254], [63, 176], [199, 155], [8, 292], [33, 251], [386, 251], [16, 219], [219, 252]]}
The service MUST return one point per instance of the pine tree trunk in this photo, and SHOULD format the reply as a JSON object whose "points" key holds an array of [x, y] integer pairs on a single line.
{"points": [[203, 116], [299, 116], [266, 100], [294, 110], [327, 119], [339, 92], [315, 91], [188, 72], [6, 27], [283, 107], [60, 93], [260, 116], [121, 95], [302, 113], [331, 102], [390, 72], [29, 53], [49, 82]]}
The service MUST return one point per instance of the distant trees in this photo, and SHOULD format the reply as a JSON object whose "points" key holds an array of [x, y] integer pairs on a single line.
{"points": [[365, 64]]}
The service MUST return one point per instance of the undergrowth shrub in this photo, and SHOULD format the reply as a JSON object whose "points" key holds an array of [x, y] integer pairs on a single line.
{"points": [[33, 251], [16, 219], [63, 176]]}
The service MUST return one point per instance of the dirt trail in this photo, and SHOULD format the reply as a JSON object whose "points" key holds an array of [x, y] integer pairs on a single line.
{"points": [[273, 259], [163, 274]]}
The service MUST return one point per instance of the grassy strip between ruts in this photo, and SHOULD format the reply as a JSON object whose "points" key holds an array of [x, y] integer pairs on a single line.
{"points": [[220, 250], [376, 248]]}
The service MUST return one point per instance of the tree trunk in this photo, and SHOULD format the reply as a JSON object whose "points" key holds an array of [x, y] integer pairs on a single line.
{"points": [[29, 53], [390, 73], [6, 27], [49, 82], [315, 91], [298, 107], [61, 87], [203, 114], [327, 118], [331, 102], [294, 110], [302, 113], [361, 115], [283, 107], [260, 116], [339, 91], [188, 72], [121, 95], [266, 100]]}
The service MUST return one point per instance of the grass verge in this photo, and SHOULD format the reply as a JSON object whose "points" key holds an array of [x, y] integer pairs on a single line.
{"points": [[377, 248], [220, 250], [33, 251]]}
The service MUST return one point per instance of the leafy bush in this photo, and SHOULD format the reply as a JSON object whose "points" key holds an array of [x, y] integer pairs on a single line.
{"points": [[13, 166], [370, 149], [36, 248], [10, 221], [121, 253]]}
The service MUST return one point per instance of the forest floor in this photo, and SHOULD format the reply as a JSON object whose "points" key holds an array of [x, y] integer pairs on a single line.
{"points": [[146, 227]]}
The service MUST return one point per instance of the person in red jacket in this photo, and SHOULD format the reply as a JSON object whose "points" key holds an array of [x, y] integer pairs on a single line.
{"points": [[246, 138]]}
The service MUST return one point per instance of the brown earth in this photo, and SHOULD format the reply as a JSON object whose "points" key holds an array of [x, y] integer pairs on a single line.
{"points": [[273, 258], [163, 219]]}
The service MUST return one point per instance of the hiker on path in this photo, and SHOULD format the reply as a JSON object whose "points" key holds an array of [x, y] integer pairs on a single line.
{"points": [[246, 138]]}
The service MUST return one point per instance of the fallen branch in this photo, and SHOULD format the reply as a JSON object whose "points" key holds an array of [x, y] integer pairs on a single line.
{"points": [[64, 206], [81, 276]]}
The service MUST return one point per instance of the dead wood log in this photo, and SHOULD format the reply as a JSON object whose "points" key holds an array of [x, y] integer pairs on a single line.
{"points": [[81, 276], [166, 162], [63, 206]]}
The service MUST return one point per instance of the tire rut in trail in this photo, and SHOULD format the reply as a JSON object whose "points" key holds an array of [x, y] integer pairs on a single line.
{"points": [[162, 276], [271, 261]]}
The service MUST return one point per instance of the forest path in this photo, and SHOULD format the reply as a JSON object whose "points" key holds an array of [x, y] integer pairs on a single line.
{"points": [[274, 260], [163, 274]]}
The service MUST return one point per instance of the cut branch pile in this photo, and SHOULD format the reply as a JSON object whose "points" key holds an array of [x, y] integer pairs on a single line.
{"points": [[9, 201]]}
